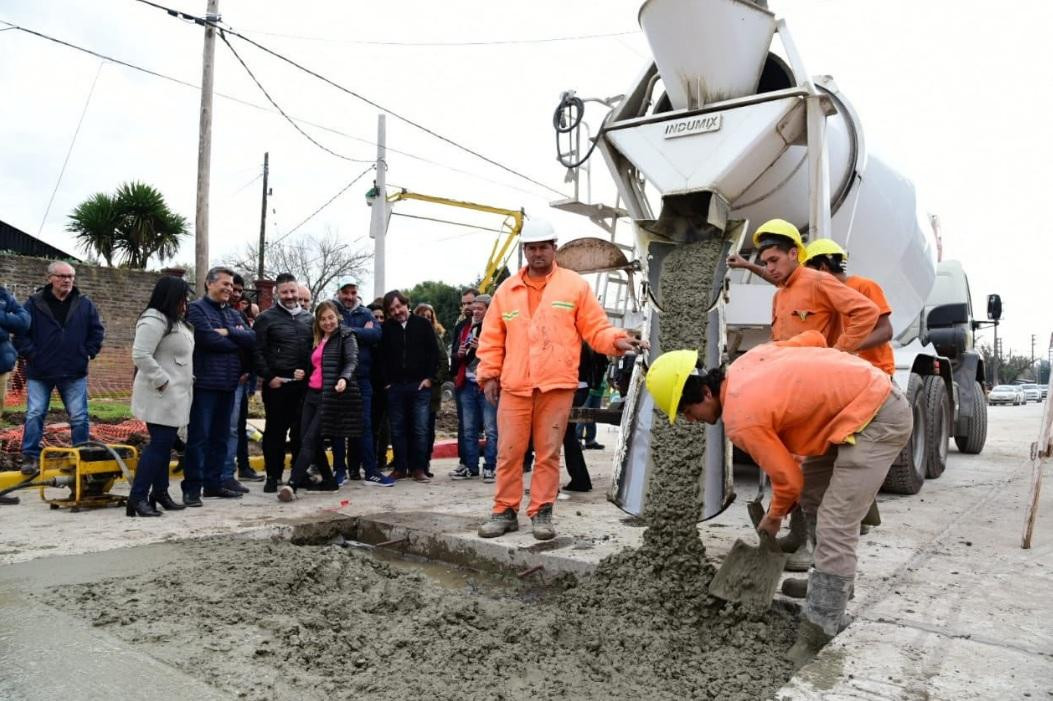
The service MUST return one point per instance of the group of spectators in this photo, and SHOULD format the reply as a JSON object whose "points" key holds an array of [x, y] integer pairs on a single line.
{"points": [[343, 375]]}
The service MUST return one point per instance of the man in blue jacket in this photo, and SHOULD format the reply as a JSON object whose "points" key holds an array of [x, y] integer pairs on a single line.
{"points": [[64, 334], [220, 336], [361, 452]]}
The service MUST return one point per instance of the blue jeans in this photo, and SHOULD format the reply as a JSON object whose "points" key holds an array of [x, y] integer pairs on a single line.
{"points": [[588, 431], [461, 450], [206, 441], [74, 395], [230, 466], [362, 451], [408, 409], [152, 472], [477, 410]]}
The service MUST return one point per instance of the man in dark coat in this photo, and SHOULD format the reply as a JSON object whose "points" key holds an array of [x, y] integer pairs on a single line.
{"points": [[220, 336], [410, 358], [64, 334], [283, 359]]}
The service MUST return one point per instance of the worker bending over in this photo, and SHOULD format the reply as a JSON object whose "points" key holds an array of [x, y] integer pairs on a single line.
{"points": [[528, 354], [798, 397]]}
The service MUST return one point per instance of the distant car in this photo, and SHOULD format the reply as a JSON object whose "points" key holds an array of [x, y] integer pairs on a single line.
{"points": [[1007, 394], [1032, 392]]}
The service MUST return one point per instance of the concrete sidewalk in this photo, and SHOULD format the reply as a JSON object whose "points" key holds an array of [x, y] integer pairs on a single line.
{"points": [[947, 605]]}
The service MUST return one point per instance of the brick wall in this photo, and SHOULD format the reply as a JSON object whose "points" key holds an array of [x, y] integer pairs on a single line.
{"points": [[120, 296]]}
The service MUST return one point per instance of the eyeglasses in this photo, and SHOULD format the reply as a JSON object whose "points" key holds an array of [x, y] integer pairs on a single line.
{"points": [[63, 277]]}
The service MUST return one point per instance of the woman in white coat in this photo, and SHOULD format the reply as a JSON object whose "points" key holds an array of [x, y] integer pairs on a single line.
{"points": [[163, 353]]}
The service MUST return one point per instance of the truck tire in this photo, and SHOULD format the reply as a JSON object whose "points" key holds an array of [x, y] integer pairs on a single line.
{"points": [[973, 443], [907, 474], [940, 418]]}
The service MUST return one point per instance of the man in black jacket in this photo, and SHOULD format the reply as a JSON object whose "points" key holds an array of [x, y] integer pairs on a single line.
{"points": [[410, 361], [283, 357]]}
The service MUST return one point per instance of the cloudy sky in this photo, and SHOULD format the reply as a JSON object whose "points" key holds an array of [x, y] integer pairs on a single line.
{"points": [[952, 93]]}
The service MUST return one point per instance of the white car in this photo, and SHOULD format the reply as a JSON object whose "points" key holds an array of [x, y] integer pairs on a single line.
{"points": [[1032, 393], [1007, 394]]}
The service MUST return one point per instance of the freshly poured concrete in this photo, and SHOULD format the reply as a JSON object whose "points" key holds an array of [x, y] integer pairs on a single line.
{"points": [[948, 606]]}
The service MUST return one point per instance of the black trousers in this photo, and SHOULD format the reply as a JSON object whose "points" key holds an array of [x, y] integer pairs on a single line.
{"points": [[283, 407], [312, 446], [576, 467]]}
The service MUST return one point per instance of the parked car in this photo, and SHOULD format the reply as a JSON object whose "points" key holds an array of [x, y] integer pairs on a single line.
{"points": [[1007, 394], [1032, 393]]}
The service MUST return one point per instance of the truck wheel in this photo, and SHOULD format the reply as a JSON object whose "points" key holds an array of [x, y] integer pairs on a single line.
{"points": [[974, 442], [940, 417], [907, 474]]}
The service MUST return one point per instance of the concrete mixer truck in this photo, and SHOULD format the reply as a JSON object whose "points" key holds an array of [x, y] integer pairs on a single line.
{"points": [[726, 127]]}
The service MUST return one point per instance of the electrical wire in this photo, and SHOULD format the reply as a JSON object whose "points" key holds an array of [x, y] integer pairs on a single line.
{"points": [[239, 190], [439, 44], [259, 107], [448, 221], [223, 36], [356, 95], [312, 215], [69, 151]]}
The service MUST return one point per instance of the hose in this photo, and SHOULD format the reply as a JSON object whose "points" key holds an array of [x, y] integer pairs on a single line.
{"points": [[567, 120], [28, 481]]}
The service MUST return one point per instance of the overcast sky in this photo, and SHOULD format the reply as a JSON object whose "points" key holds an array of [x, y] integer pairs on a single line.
{"points": [[952, 93]]}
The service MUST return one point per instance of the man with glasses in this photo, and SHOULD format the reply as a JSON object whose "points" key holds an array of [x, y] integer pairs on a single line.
{"points": [[65, 332]]}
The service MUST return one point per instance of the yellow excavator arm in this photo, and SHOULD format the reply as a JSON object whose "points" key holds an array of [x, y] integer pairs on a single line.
{"points": [[504, 244]]}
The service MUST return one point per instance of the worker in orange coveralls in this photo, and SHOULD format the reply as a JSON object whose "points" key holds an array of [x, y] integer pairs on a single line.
{"points": [[528, 355], [798, 397]]}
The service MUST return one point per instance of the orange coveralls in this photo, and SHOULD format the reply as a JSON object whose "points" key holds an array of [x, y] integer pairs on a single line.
{"points": [[531, 341], [798, 397], [814, 300], [881, 356]]}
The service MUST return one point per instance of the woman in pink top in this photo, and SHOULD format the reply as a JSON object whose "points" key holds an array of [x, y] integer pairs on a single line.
{"points": [[333, 406]]}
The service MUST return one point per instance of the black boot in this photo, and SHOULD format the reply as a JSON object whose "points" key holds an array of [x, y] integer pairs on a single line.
{"points": [[140, 508], [162, 498]]}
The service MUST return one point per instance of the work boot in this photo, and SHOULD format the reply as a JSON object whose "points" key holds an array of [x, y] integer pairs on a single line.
{"points": [[499, 524], [823, 615], [542, 523], [30, 465], [800, 560]]}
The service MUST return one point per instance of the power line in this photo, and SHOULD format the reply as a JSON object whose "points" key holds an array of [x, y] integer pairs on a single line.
{"points": [[448, 221], [359, 96], [315, 212], [437, 44], [255, 106], [270, 99]]}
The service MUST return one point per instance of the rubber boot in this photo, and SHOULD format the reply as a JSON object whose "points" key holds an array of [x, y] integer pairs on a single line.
{"points": [[800, 560], [822, 617], [798, 532], [795, 587]]}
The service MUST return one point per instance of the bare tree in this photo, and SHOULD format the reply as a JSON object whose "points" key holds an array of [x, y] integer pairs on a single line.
{"points": [[315, 261]]}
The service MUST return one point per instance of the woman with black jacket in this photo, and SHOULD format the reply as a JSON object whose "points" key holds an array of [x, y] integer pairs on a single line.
{"points": [[333, 406]]}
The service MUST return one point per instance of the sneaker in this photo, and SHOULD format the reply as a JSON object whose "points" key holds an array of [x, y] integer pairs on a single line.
{"points": [[462, 473], [250, 475], [30, 465], [340, 477], [379, 480], [499, 524], [286, 493], [488, 475], [236, 486], [222, 493], [270, 486], [593, 446], [542, 523]]}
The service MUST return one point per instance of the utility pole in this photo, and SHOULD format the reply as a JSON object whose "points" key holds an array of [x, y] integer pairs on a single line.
{"points": [[378, 222], [204, 148], [263, 215]]}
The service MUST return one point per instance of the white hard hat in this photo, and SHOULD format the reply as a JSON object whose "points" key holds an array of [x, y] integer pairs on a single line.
{"points": [[536, 231], [347, 280]]}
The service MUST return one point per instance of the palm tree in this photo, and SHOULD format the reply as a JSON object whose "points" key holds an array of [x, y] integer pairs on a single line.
{"points": [[148, 227], [95, 223], [135, 222]]}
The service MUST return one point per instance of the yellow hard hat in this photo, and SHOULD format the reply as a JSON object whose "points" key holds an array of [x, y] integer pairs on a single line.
{"points": [[824, 247], [780, 227], [666, 378]]}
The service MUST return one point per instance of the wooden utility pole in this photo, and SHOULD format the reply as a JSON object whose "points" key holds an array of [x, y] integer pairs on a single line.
{"points": [[204, 148], [378, 221], [263, 215]]}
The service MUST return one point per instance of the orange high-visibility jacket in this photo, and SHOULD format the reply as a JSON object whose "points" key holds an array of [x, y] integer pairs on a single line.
{"points": [[881, 356], [541, 350], [811, 300], [797, 397]]}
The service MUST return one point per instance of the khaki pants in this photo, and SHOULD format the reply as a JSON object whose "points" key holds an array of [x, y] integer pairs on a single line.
{"points": [[840, 485]]}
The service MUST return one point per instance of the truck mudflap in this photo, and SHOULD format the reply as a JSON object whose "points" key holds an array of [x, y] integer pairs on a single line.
{"points": [[634, 458]]}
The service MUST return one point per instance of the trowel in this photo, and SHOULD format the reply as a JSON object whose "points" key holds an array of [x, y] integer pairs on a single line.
{"points": [[750, 575]]}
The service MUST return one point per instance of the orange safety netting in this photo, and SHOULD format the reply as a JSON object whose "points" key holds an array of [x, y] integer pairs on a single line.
{"points": [[59, 434]]}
